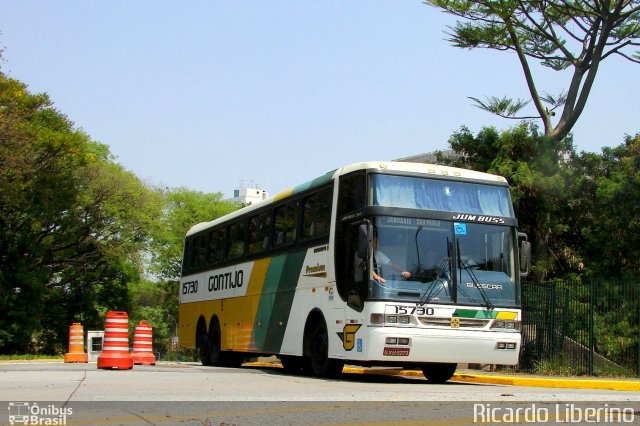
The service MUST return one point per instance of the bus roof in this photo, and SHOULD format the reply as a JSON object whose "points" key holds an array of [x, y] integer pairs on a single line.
{"points": [[383, 166]]}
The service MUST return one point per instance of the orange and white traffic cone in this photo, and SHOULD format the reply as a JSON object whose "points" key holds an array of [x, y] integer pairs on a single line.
{"points": [[142, 344], [76, 344], [115, 351]]}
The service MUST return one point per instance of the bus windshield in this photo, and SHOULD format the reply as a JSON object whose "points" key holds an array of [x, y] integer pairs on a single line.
{"points": [[441, 195], [446, 261]]}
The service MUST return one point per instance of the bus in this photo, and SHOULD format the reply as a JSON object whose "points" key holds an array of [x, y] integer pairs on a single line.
{"points": [[372, 264]]}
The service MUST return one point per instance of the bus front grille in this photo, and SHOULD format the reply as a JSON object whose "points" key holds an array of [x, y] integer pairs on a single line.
{"points": [[446, 322]]}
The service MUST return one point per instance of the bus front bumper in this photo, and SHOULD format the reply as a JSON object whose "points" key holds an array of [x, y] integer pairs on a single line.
{"points": [[417, 345]]}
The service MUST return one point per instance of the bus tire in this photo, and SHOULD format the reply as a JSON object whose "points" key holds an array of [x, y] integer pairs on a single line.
{"points": [[438, 372], [317, 344], [213, 347], [202, 342]]}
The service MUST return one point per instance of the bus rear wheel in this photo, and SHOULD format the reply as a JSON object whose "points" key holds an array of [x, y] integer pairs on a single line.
{"points": [[202, 343], [317, 345], [213, 352], [438, 372]]}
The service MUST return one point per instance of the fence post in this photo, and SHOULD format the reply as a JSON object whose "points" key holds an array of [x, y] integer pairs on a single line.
{"points": [[592, 302], [552, 321]]}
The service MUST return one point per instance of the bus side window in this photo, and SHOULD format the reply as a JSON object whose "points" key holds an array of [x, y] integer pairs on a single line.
{"points": [[199, 251], [216, 247], [286, 223], [353, 193], [316, 214], [236, 240], [259, 233], [188, 254]]}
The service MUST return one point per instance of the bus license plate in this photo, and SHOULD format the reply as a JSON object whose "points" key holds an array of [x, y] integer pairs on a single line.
{"points": [[395, 352]]}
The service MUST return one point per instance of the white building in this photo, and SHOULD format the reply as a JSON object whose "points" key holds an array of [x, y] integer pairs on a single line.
{"points": [[248, 195]]}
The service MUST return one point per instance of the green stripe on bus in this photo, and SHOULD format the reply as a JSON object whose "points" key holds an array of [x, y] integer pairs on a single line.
{"points": [[472, 313], [319, 181], [276, 300]]}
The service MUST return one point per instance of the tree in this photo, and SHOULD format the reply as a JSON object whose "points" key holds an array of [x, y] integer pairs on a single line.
{"points": [[562, 35], [72, 224], [607, 194]]}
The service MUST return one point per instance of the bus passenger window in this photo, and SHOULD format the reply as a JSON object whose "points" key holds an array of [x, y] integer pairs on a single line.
{"points": [[316, 215], [236, 240], [216, 247], [259, 233], [187, 261], [285, 232], [199, 251]]}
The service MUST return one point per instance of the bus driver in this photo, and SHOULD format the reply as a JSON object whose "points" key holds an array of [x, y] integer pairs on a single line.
{"points": [[381, 260]]}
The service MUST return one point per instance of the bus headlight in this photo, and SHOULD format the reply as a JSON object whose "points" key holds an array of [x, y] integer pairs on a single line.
{"points": [[404, 341], [377, 318], [509, 346], [506, 325], [398, 319]]}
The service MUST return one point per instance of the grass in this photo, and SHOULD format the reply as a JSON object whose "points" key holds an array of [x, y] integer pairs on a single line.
{"points": [[28, 357]]}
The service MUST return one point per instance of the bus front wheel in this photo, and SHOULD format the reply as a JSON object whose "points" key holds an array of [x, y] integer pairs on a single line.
{"points": [[438, 372], [317, 344]]}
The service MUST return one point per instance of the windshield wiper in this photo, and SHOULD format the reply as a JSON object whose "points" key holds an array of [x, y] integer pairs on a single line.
{"points": [[429, 293], [445, 265], [463, 264]]}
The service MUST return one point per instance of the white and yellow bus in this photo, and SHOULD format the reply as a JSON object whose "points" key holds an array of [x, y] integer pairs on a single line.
{"points": [[379, 263]]}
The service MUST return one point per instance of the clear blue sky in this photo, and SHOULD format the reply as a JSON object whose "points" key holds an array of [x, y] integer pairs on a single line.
{"points": [[206, 94]]}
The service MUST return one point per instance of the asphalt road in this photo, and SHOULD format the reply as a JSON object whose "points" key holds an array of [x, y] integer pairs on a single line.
{"points": [[187, 393]]}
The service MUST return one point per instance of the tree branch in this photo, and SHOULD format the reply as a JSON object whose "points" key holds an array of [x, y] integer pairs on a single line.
{"points": [[529, 78]]}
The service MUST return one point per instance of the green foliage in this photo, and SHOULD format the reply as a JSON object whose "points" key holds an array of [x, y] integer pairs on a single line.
{"points": [[72, 225], [607, 192], [157, 304], [77, 231]]}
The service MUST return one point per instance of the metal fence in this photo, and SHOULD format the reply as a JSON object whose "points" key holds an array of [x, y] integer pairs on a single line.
{"points": [[589, 327]]}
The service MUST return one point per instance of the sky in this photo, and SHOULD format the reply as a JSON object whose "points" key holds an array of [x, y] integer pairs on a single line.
{"points": [[214, 95]]}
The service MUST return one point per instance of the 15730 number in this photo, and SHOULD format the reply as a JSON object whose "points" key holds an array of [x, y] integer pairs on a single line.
{"points": [[413, 310]]}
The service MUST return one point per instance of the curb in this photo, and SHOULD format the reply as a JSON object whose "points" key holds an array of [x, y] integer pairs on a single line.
{"points": [[525, 381], [559, 382]]}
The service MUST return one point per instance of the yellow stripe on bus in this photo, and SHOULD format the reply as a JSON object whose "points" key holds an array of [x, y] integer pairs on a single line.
{"points": [[283, 194], [239, 313], [507, 315]]}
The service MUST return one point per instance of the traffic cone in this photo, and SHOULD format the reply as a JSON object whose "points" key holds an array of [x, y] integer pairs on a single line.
{"points": [[115, 352], [76, 344], [142, 350]]}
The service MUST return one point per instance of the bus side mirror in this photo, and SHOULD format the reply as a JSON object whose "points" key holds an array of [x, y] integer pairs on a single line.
{"points": [[525, 254], [365, 234]]}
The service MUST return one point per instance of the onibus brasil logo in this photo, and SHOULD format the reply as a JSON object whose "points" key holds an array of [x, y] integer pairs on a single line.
{"points": [[26, 413]]}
